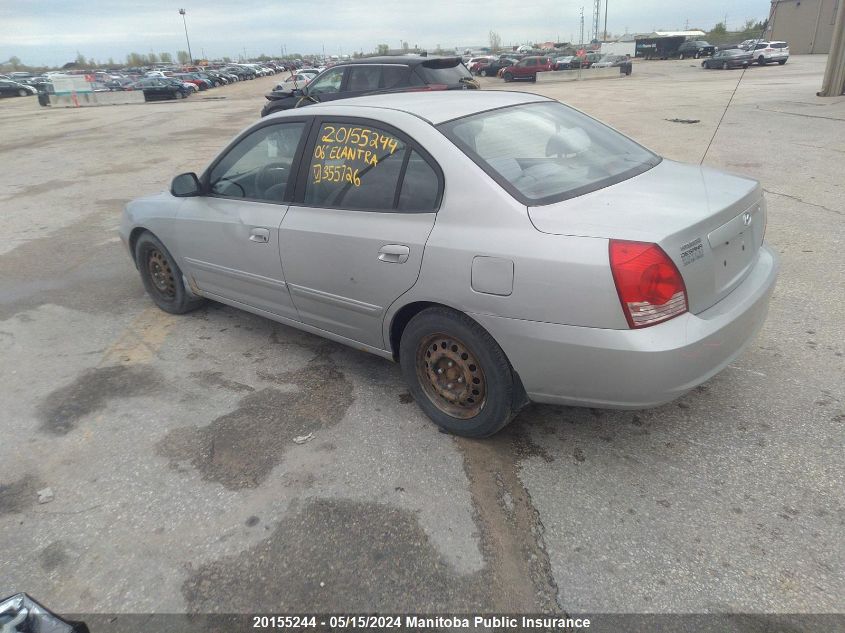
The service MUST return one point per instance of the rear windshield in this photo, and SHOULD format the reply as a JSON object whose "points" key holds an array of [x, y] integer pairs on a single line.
{"points": [[546, 152], [443, 71]]}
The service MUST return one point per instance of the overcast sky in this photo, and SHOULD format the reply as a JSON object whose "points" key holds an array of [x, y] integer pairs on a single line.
{"points": [[50, 32]]}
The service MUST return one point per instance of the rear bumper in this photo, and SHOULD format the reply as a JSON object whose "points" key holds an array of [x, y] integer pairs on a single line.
{"points": [[635, 369]]}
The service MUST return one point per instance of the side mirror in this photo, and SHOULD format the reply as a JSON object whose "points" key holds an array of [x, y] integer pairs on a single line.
{"points": [[185, 185]]}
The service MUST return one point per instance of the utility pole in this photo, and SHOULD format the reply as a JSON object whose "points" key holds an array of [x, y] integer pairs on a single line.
{"points": [[581, 45], [596, 18], [185, 22], [604, 39]]}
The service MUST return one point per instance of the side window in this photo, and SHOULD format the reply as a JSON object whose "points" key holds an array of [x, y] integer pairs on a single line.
{"points": [[363, 78], [329, 82], [354, 167], [419, 186], [259, 166], [393, 76]]}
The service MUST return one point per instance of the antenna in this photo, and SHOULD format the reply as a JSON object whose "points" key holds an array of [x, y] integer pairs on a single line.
{"points": [[739, 81]]}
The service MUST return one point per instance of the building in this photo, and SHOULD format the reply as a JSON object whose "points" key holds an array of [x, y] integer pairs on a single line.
{"points": [[806, 25]]}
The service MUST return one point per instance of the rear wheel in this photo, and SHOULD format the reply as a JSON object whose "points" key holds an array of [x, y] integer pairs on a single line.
{"points": [[782, 62], [457, 373], [724, 65], [761, 60], [484, 72], [680, 55], [508, 77], [697, 55], [162, 278]]}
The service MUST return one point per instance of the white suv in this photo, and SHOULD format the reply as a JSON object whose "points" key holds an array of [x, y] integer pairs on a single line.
{"points": [[768, 52]]}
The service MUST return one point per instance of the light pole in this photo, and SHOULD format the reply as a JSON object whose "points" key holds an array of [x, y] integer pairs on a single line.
{"points": [[184, 21]]}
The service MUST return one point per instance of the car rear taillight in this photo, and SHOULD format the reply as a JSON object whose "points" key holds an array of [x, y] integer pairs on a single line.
{"points": [[649, 285]]}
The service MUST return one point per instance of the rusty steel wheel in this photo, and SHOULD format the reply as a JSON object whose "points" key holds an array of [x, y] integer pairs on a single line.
{"points": [[162, 277], [458, 374], [161, 274], [451, 376]]}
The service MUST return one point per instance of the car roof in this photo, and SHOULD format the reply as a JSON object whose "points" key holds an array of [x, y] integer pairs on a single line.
{"points": [[435, 107], [405, 60]]}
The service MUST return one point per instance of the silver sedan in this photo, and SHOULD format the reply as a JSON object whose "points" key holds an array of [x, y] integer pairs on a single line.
{"points": [[502, 247]]}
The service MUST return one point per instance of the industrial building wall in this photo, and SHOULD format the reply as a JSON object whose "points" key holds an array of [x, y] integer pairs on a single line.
{"points": [[807, 25]]}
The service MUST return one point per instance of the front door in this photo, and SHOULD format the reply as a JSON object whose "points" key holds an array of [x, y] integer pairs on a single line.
{"points": [[353, 243], [229, 238]]}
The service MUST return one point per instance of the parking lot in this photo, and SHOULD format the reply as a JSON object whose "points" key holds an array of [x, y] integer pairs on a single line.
{"points": [[167, 441]]}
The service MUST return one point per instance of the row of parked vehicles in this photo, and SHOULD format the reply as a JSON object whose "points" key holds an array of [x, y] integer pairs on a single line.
{"points": [[513, 67], [162, 82]]}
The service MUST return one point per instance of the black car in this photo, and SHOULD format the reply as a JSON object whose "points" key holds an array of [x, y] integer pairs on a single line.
{"points": [[729, 58], [157, 88], [696, 49], [375, 75], [14, 89], [492, 69]]}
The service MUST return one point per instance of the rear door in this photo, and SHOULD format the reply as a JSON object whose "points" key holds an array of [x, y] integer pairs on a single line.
{"points": [[353, 241]]}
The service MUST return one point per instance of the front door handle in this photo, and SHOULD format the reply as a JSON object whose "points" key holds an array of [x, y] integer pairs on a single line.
{"points": [[394, 253], [262, 236]]}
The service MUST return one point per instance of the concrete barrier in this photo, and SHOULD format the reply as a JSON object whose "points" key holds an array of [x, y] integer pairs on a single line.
{"points": [[82, 99], [578, 75]]}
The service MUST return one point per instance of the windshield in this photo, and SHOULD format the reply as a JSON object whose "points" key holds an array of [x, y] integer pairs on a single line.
{"points": [[547, 152]]}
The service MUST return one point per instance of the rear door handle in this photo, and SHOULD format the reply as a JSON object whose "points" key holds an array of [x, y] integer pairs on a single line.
{"points": [[262, 236], [394, 253]]}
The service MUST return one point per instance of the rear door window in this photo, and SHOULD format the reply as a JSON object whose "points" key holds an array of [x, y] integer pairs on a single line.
{"points": [[354, 167], [443, 71], [393, 76], [420, 186], [363, 78]]}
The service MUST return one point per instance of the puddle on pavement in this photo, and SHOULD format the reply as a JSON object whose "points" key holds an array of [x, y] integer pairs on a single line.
{"points": [[20, 494], [338, 556], [62, 409], [239, 449]]}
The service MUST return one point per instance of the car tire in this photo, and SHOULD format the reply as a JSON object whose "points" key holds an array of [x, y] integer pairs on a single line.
{"points": [[680, 55], [697, 55], [725, 66], [179, 95], [534, 78], [782, 62], [484, 73], [459, 345], [162, 277], [22, 92], [761, 60], [507, 77]]}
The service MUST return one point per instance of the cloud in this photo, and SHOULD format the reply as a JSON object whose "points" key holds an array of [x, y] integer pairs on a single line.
{"points": [[50, 32]]}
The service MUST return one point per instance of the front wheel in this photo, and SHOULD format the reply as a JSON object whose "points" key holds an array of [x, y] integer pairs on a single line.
{"points": [[782, 62], [724, 65], [761, 60], [457, 373], [22, 92], [483, 73], [162, 278], [697, 55], [681, 56], [508, 77]]}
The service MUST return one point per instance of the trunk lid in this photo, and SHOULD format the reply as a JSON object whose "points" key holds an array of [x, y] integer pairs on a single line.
{"points": [[708, 222]]}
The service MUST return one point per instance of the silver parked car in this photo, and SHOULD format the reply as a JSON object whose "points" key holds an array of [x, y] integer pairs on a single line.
{"points": [[503, 247]]}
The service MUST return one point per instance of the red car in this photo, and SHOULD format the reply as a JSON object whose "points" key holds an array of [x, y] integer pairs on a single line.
{"points": [[527, 68]]}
